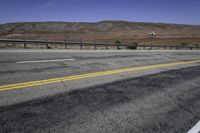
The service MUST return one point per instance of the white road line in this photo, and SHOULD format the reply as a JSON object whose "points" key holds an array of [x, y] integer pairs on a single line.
{"points": [[195, 129], [41, 61]]}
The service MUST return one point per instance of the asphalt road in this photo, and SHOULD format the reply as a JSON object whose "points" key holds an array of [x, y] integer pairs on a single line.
{"points": [[156, 100]]}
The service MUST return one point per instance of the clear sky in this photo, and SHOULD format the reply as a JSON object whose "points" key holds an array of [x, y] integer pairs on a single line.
{"points": [[167, 11]]}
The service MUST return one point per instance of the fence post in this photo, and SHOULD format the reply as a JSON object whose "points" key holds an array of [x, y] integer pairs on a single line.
{"points": [[65, 46], [47, 46], [81, 46], [95, 47]]}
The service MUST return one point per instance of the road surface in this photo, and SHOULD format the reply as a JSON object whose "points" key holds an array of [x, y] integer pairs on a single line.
{"points": [[99, 91]]}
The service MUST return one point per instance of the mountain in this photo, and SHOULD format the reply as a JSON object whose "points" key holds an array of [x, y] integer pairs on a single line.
{"points": [[104, 31]]}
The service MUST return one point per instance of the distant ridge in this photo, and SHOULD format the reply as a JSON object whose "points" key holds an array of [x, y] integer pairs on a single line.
{"points": [[103, 31]]}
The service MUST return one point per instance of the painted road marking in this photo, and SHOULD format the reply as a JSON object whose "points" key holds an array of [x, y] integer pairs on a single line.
{"points": [[90, 75], [42, 61], [195, 129]]}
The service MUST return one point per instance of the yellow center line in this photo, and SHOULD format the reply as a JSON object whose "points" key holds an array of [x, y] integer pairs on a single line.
{"points": [[90, 75]]}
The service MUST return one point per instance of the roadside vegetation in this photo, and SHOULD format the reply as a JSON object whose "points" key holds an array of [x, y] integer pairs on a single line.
{"points": [[133, 45], [187, 44]]}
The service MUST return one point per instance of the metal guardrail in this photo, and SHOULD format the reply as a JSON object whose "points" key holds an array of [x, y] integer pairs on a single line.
{"points": [[46, 42], [168, 47], [81, 44], [52, 42]]}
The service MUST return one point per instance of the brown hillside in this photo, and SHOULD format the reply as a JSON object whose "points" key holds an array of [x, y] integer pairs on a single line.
{"points": [[105, 31]]}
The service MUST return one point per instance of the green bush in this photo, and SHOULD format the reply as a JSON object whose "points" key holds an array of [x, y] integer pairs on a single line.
{"points": [[132, 46], [118, 43], [184, 44]]}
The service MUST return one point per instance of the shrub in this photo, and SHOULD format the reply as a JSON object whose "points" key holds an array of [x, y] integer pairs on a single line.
{"points": [[118, 43], [184, 44], [132, 46], [197, 45]]}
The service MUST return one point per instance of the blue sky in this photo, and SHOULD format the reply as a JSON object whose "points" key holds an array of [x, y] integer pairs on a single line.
{"points": [[167, 11]]}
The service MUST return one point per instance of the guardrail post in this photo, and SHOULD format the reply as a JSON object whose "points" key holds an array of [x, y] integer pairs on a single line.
{"points": [[25, 45], [107, 47], [118, 47]]}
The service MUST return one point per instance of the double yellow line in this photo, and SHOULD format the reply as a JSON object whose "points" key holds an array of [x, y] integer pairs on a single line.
{"points": [[90, 75]]}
